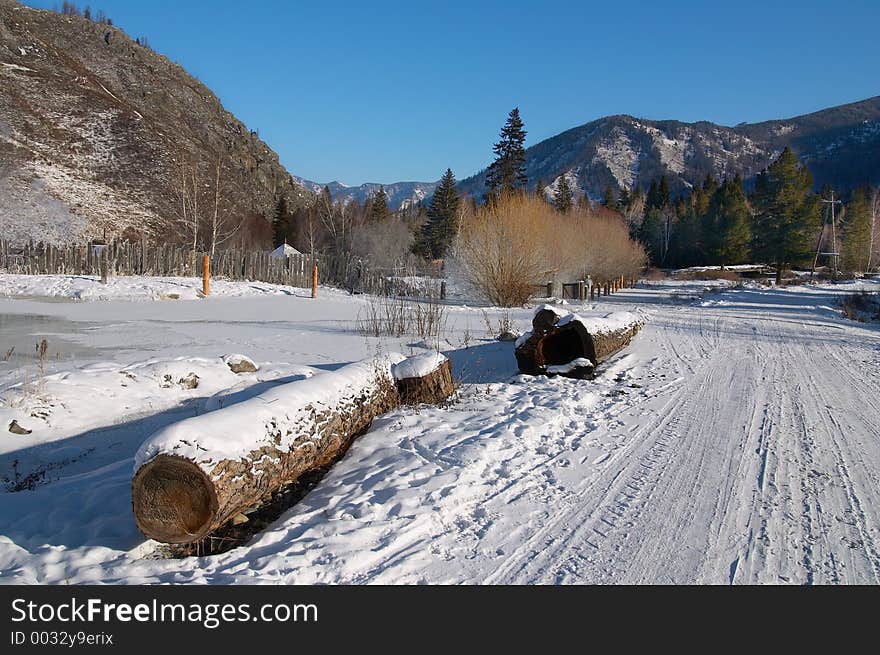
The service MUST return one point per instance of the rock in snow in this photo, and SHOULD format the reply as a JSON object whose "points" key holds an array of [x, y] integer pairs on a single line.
{"points": [[240, 364]]}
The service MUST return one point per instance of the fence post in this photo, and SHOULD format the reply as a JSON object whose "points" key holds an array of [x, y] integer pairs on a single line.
{"points": [[550, 289], [105, 265], [206, 275], [582, 290], [315, 281], [443, 290]]}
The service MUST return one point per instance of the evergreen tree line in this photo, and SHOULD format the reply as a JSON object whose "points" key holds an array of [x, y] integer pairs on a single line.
{"points": [[717, 223], [779, 222]]}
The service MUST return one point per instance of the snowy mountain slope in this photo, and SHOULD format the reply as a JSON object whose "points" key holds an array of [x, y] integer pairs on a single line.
{"points": [[710, 451], [93, 127], [841, 145], [401, 195]]}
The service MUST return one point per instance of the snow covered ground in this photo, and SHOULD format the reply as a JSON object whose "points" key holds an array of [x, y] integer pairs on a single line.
{"points": [[736, 441], [89, 287]]}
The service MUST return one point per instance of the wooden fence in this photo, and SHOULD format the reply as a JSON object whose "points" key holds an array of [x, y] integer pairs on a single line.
{"points": [[163, 260]]}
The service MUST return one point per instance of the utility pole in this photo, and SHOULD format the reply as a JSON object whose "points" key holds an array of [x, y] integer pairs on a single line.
{"points": [[834, 254]]}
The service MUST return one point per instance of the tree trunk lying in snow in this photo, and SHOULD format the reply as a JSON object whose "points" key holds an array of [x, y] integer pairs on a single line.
{"points": [[563, 343], [196, 475]]}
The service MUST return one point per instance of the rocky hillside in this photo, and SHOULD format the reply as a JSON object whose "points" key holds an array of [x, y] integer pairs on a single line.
{"points": [[401, 195], [840, 145], [97, 131]]}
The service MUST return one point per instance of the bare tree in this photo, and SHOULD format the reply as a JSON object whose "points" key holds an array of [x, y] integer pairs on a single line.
{"points": [[210, 212], [634, 212], [226, 219], [337, 219], [188, 220]]}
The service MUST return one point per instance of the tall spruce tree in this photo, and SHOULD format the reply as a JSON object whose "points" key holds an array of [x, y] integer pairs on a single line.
{"points": [[623, 200], [857, 231], [728, 232], [651, 201], [608, 197], [563, 199], [786, 220], [281, 222], [508, 172], [379, 206], [439, 230], [539, 190]]}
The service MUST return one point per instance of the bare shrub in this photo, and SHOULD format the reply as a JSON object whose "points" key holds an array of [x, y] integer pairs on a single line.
{"points": [[500, 249], [396, 316], [384, 245], [506, 248], [862, 306], [598, 244]]}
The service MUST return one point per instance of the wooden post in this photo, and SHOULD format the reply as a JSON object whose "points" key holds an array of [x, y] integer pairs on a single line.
{"points": [[105, 265], [443, 290], [315, 281], [592, 292], [549, 289], [582, 290], [206, 275]]}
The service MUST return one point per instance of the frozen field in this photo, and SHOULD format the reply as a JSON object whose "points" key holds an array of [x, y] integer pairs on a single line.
{"points": [[736, 441]]}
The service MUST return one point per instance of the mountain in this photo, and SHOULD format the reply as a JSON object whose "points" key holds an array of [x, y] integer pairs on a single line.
{"points": [[401, 195], [95, 129], [840, 145]]}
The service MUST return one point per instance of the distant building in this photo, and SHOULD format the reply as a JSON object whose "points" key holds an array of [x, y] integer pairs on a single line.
{"points": [[284, 251]]}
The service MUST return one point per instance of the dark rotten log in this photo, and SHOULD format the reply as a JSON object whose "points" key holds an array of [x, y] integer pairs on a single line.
{"points": [[195, 476], [562, 343]]}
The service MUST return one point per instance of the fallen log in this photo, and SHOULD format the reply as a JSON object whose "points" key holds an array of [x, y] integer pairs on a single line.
{"points": [[201, 473], [563, 343]]}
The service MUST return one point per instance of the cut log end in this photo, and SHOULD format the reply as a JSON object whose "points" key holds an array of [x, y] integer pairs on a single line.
{"points": [[433, 388], [173, 500]]}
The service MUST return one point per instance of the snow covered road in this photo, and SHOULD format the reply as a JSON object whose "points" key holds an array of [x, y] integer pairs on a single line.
{"points": [[759, 463], [736, 441]]}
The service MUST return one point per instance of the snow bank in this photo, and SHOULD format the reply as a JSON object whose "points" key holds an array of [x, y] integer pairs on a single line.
{"points": [[89, 287], [418, 366], [228, 433]]}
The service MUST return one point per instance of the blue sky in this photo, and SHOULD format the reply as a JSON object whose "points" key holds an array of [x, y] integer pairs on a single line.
{"points": [[390, 91]]}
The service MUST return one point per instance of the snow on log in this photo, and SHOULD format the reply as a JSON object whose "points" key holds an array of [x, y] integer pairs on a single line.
{"points": [[563, 343], [424, 379], [196, 475]]}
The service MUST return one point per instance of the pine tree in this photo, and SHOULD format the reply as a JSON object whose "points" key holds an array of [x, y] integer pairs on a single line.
{"points": [[439, 230], [786, 218], [856, 237], [608, 197], [728, 231], [281, 222], [623, 200], [379, 206], [651, 197], [563, 199], [539, 190], [508, 172]]}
